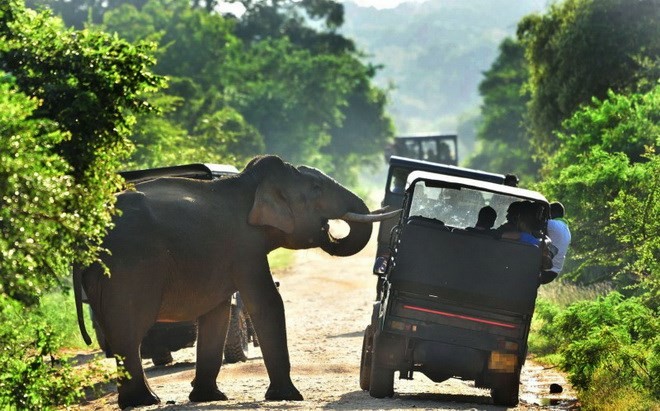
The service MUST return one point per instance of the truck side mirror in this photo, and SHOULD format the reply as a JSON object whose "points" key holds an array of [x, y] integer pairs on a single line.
{"points": [[380, 265]]}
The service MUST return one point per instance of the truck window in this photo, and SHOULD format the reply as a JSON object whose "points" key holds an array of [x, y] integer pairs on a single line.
{"points": [[398, 180], [454, 207]]}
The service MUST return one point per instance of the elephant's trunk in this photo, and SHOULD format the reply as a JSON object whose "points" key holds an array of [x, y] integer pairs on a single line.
{"points": [[352, 243], [357, 238]]}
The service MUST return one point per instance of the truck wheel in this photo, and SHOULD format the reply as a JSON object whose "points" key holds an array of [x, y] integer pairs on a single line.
{"points": [[365, 359], [381, 382], [236, 345], [161, 356], [505, 390]]}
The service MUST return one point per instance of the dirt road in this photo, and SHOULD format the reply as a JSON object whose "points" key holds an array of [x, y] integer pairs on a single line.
{"points": [[328, 304]]}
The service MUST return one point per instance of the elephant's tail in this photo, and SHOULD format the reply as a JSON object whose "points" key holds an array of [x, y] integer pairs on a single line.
{"points": [[77, 292]]}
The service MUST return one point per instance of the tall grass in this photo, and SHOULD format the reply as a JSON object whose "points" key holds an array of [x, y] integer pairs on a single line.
{"points": [[59, 309], [552, 298], [34, 372], [564, 294]]}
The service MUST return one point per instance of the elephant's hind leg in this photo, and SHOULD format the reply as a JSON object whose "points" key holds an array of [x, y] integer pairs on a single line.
{"points": [[124, 334], [134, 390], [211, 334]]}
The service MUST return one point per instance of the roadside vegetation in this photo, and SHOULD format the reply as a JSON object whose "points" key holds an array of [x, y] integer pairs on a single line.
{"points": [[128, 84]]}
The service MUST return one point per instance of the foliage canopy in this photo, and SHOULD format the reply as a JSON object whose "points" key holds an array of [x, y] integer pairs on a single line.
{"points": [[67, 100], [581, 49], [504, 144]]}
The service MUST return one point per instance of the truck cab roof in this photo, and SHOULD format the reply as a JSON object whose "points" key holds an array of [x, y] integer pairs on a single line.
{"points": [[201, 171], [444, 180]]}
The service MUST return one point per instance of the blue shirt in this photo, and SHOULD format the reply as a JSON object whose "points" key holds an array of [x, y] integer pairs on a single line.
{"points": [[526, 237]]}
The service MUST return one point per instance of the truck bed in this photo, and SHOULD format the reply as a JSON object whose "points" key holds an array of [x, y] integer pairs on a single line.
{"points": [[466, 267]]}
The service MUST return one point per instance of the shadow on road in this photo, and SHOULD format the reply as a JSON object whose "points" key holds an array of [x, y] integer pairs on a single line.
{"points": [[160, 370], [356, 401]]}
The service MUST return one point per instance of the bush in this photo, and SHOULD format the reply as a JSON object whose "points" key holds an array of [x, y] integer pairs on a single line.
{"points": [[31, 374], [610, 347]]}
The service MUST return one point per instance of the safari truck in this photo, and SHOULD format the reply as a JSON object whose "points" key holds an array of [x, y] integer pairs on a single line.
{"points": [[163, 338], [455, 302]]}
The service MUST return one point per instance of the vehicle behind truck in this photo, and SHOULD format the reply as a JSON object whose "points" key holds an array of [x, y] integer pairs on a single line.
{"points": [[436, 148], [455, 302]]}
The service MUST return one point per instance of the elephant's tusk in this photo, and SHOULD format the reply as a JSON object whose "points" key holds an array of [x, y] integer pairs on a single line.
{"points": [[369, 218], [380, 210]]}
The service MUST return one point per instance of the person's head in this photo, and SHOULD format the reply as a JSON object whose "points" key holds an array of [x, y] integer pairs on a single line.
{"points": [[487, 216], [530, 217], [513, 211], [511, 180], [556, 210]]}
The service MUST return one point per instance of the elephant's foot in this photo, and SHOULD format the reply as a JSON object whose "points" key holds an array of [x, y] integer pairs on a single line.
{"points": [[133, 399], [206, 394], [283, 393]]}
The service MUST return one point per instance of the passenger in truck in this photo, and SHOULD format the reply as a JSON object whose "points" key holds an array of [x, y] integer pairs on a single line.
{"points": [[485, 221], [529, 231], [526, 229], [512, 215]]}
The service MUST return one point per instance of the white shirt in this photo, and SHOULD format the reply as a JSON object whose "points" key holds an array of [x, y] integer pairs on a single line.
{"points": [[561, 238]]}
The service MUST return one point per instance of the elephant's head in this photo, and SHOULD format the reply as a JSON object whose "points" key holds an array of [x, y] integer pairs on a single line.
{"points": [[299, 202]]}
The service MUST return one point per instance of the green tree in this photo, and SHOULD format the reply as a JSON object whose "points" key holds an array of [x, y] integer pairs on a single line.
{"points": [[582, 49], [196, 50], [349, 125], [87, 85], [364, 130], [606, 173], [300, 101], [78, 13], [290, 19], [504, 144]]}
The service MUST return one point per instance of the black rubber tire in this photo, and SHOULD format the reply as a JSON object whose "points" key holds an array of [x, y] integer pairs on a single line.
{"points": [[365, 360], [505, 390], [236, 345], [162, 357], [381, 382]]}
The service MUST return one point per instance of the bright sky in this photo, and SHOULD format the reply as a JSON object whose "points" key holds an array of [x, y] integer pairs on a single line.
{"points": [[382, 4]]}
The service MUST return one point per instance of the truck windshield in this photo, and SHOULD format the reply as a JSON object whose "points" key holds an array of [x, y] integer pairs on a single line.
{"points": [[457, 207]]}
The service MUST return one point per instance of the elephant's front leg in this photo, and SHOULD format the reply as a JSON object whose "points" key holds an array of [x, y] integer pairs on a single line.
{"points": [[266, 309], [211, 335]]}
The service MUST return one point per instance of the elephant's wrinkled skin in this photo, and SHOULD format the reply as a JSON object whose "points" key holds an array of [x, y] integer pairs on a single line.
{"points": [[182, 247]]}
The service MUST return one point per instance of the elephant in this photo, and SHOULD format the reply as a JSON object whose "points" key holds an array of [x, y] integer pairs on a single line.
{"points": [[180, 248]]}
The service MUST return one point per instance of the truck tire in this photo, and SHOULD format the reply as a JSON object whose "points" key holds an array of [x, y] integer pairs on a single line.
{"points": [[381, 382], [365, 359], [505, 390], [236, 345]]}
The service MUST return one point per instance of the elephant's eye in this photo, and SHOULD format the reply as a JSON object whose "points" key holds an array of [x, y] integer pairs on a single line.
{"points": [[316, 190]]}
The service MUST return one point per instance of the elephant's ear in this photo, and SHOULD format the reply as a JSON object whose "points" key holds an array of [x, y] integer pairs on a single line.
{"points": [[271, 208]]}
